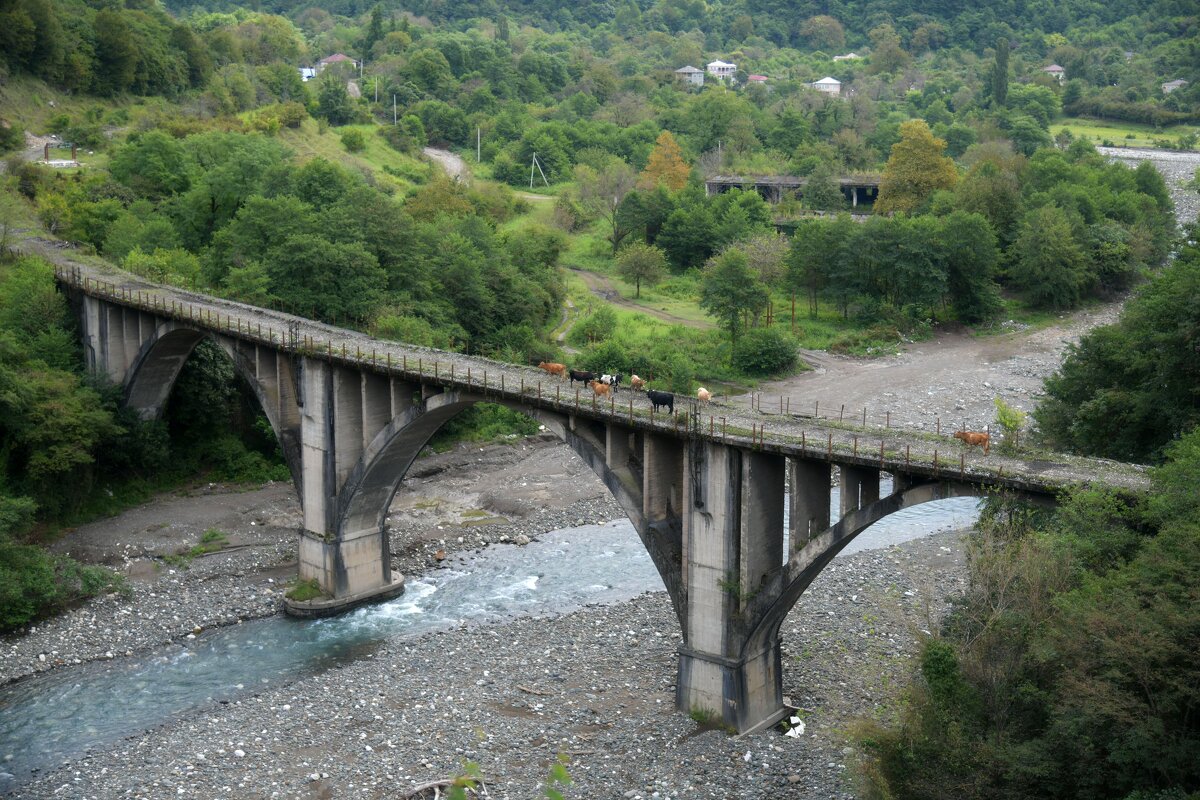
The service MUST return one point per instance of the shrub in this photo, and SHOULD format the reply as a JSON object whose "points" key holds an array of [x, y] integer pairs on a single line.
{"points": [[353, 140], [763, 351], [34, 583], [12, 137]]}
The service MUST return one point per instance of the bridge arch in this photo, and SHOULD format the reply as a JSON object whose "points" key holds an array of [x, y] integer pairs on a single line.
{"points": [[159, 361], [373, 482], [784, 591]]}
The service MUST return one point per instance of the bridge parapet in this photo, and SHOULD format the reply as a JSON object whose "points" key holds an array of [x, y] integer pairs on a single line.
{"points": [[706, 487]]}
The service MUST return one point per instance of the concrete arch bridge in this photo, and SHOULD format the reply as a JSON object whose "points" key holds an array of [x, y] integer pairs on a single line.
{"points": [[705, 488]]}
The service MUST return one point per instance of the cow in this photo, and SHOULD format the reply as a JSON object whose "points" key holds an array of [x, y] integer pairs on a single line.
{"points": [[611, 380], [601, 389], [636, 383], [581, 376], [554, 369], [971, 438], [703, 395], [665, 399]]}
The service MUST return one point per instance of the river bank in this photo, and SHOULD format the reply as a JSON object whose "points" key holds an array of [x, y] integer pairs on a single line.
{"points": [[596, 684]]}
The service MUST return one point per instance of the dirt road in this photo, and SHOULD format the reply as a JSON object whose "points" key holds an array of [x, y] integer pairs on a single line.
{"points": [[954, 376], [454, 166], [603, 288]]}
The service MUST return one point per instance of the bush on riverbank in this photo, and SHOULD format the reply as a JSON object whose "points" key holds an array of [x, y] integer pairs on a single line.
{"points": [[33, 582], [1068, 669]]}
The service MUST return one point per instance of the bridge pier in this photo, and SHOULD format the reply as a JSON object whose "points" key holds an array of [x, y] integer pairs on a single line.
{"points": [[733, 547], [351, 565]]}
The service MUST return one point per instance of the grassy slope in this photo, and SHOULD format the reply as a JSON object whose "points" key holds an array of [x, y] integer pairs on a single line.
{"points": [[389, 167], [1127, 134]]}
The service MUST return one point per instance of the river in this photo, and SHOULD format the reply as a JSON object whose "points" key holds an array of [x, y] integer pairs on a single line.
{"points": [[54, 717]]}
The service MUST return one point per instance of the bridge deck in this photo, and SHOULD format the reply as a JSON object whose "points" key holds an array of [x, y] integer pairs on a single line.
{"points": [[795, 435]]}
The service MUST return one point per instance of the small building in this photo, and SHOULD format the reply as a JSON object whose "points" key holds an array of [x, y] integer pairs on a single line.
{"points": [[828, 85], [851, 56], [761, 80], [690, 75], [1058, 72], [336, 58], [307, 74], [1171, 86], [721, 69]]}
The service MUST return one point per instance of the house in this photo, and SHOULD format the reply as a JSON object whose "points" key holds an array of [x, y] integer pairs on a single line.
{"points": [[851, 56], [691, 75], [336, 58], [1171, 86], [759, 79], [827, 85], [721, 69], [1058, 72], [307, 74]]}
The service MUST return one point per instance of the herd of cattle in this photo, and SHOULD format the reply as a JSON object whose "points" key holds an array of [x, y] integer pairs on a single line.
{"points": [[606, 385]]}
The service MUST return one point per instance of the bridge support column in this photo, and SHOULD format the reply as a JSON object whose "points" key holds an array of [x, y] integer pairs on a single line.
{"points": [[808, 493], [349, 565], [733, 530], [859, 487]]}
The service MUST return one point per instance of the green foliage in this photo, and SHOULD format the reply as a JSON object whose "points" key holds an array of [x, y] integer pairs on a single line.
{"points": [[35, 584], [353, 140], [764, 351], [303, 591], [1127, 390], [640, 263], [483, 422], [731, 292], [1010, 420], [1066, 669]]}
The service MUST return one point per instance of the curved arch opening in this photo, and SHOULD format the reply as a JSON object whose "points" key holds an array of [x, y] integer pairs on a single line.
{"points": [[806, 564], [371, 487], [215, 413]]}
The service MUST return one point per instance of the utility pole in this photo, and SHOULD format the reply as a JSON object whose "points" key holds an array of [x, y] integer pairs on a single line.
{"points": [[478, 141], [393, 109]]}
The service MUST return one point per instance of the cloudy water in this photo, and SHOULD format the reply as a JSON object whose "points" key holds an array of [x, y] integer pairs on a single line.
{"points": [[48, 719]]}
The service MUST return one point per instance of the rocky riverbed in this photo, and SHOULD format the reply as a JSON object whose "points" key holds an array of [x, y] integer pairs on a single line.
{"points": [[596, 685]]}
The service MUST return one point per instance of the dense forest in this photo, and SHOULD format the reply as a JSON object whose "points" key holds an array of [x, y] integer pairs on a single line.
{"points": [[210, 161]]}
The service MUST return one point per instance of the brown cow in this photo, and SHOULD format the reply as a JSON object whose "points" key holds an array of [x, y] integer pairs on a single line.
{"points": [[976, 439], [554, 369], [601, 389], [636, 383], [703, 395]]}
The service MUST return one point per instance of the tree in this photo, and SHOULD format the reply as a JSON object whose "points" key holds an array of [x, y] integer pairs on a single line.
{"points": [[999, 76], [602, 191], [730, 291], [970, 255], [641, 262], [1128, 389], [816, 250], [822, 191], [153, 164], [116, 52], [915, 170], [1048, 263], [374, 31], [823, 32], [665, 166], [333, 101], [887, 56]]}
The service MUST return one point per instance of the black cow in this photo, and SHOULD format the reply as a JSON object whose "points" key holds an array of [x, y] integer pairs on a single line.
{"points": [[661, 399], [580, 375]]}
